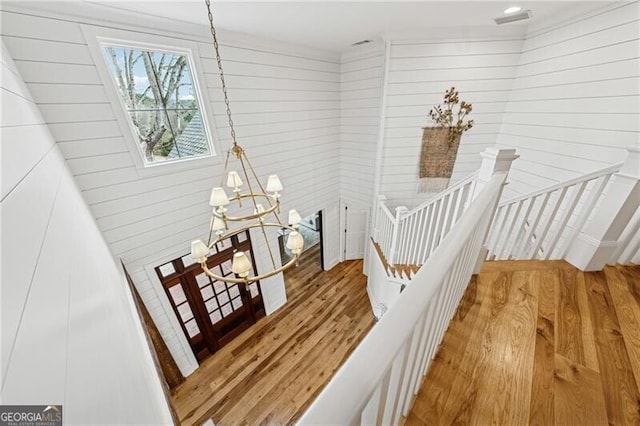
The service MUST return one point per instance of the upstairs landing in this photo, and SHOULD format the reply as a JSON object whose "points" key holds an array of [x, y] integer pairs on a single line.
{"points": [[539, 343]]}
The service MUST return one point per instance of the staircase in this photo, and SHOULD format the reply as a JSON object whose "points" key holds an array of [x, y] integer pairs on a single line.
{"points": [[543, 225], [430, 253]]}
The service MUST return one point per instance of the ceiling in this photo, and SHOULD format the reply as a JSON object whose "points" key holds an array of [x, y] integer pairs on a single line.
{"points": [[335, 25]]}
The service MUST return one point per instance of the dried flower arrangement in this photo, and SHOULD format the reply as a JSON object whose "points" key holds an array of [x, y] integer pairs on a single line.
{"points": [[445, 118]]}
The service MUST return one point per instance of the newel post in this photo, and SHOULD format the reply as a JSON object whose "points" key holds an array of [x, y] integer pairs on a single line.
{"points": [[401, 211], [598, 240], [494, 161]]}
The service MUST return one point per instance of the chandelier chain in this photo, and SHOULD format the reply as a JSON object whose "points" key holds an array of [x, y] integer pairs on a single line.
{"points": [[219, 60]]}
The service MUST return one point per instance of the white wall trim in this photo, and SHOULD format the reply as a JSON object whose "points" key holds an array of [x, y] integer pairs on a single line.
{"points": [[453, 34], [192, 363]]}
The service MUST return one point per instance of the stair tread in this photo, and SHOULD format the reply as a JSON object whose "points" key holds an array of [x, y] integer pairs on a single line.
{"points": [[522, 265]]}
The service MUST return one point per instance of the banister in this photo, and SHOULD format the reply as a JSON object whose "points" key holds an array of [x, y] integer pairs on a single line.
{"points": [[589, 176], [553, 218], [470, 178], [343, 400]]}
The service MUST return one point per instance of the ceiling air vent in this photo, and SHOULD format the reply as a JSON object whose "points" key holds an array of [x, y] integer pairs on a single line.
{"points": [[525, 14], [361, 42]]}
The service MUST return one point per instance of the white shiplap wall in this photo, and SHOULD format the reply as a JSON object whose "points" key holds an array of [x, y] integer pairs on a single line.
{"points": [[69, 332], [481, 67], [362, 72], [575, 103], [286, 105]]}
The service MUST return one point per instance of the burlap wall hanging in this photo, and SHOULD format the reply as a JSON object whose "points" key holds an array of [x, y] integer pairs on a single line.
{"points": [[440, 143]]}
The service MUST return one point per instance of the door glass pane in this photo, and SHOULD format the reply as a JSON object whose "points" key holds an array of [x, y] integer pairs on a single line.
{"points": [[233, 291], [237, 303], [223, 298], [177, 294], [253, 289], [185, 312], [192, 328], [188, 260], [227, 309], [167, 269], [202, 280], [207, 292], [226, 268], [211, 304], [219, 286], [215, 316]]}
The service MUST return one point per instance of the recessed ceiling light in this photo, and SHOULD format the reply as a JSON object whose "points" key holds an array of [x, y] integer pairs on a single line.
{"points": [[512, 9]]}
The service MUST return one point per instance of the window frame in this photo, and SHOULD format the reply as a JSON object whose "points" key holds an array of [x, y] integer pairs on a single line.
{"points": [[99, 37]]}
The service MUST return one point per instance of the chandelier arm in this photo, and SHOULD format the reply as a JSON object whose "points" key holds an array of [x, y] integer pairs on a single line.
{"points": [[250, 280], [266, 242], [244, 228], [210, 229], [258, 215], [219, 60], [246, 176], [260, 184], [263, 190], [203, 261], [225, 169]]}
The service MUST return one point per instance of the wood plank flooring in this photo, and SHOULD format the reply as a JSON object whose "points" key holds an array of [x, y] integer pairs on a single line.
{"points": [[539, 343], [273, 371]]}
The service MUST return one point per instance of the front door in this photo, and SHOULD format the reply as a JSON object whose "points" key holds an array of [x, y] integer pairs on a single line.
{"points": [[211, 312]]}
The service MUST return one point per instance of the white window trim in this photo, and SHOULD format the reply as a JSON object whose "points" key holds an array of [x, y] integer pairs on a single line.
{"points": [[98, 37]]}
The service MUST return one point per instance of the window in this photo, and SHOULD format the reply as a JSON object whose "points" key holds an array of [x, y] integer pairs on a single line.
{"points": [[161, 102]]}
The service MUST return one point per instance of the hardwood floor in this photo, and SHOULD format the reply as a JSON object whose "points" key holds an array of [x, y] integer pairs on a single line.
{"points": [[274, 370], [539, 343]]}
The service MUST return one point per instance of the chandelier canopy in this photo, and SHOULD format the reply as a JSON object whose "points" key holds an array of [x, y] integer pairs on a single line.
{"points": [[259, 202]]}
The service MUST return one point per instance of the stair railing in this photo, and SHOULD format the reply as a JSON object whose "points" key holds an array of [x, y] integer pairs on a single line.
{"points": [[408, 237], [542, 225], [423, 228], [377, 383]]}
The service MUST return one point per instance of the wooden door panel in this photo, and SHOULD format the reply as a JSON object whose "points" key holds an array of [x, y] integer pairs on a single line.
{"points": [[211, 312]]}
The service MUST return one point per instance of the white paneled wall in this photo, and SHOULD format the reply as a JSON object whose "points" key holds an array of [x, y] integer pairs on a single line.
{"points": [[286, 106], [481, 68], [575, 102], [69, 332], [362, 70]]}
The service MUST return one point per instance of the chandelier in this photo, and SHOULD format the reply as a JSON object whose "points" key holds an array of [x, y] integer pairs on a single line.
{"points": [[260, 201]]}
